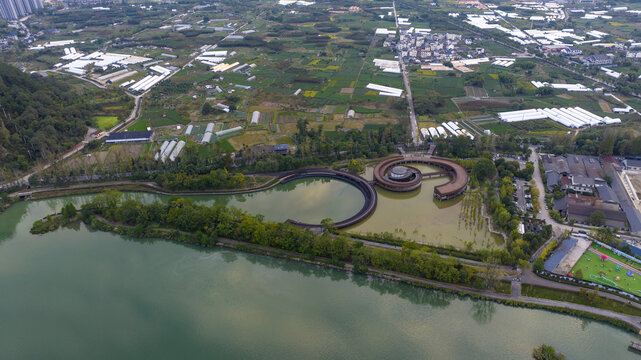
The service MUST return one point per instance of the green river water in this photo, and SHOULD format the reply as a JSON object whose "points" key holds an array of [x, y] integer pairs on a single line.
{"points": [[81, 294]]}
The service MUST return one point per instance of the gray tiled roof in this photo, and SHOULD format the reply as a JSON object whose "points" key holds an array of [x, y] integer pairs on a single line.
{"points": [[582, 180], [553, 179], [607, 194], [634, 218]]}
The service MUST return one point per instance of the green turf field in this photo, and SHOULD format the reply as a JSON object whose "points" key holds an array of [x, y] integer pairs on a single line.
{"points": [[140, 125], [162, 117], [105, 122], [605, 272]]}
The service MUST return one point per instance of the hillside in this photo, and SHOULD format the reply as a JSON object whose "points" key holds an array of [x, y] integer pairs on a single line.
{"points": [[42, 117]]}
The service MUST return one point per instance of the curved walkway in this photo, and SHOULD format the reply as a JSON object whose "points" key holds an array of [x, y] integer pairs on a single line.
{"points": [[368, 191], [453, 188]]}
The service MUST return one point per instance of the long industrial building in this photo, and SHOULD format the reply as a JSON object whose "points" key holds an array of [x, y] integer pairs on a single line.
{"points": [[385, 90], [15, 9], [575, 117], [128, 137], [441, 131]]}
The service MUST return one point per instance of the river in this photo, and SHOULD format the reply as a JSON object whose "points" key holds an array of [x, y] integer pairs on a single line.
{"points": [[80, 294]]}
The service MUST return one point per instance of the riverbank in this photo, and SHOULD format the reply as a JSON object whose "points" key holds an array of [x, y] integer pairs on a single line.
{"points": [[627, 322], [470, 267]]}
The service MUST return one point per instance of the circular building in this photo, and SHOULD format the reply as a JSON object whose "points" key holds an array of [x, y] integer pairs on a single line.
{"points": [[401, 173], [392, 174]]}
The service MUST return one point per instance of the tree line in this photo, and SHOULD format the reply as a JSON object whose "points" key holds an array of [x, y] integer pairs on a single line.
{"points": [[201, 225]]}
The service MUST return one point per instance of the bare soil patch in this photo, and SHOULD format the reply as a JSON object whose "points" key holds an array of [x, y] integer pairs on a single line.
{"points": [[605, 107]]}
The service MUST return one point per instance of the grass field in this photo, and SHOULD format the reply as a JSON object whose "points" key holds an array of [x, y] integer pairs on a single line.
{"points": [[105, 122], [162, 117], [140, 125], [605, 272], [498, 128]]}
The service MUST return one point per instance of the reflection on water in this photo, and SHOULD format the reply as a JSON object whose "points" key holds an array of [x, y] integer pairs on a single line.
{"points": [[482, 311], [415, 215], [419, 216], [76, 294]]}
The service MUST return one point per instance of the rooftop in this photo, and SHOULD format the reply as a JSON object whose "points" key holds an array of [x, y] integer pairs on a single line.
{"points": [[130, 135], [607, 194], [632, 163], [582, 180], [634, 218]]}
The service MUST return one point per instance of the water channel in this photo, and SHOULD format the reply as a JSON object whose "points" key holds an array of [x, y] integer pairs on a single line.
{"points": [[80, 294], [415, 215]]}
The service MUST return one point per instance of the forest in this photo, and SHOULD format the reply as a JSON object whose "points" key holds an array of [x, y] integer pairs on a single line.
{"points": [[39, 118]]}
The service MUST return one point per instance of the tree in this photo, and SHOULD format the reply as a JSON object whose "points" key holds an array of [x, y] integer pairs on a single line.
{"points": [[40, 117], [328, 225], [606, 146], [597, 218], [578, 274], [484, 169], [207, 109], [475, 79], [546, 352], [534, 192], [604, 235], [425, 105], [539, 264], [69, 211], [545, 91], [356, 166], [490, 273], [301, 126], [507, 79]]}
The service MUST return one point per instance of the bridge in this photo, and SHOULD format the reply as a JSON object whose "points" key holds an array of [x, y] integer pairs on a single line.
{"points": [[435, 174]]}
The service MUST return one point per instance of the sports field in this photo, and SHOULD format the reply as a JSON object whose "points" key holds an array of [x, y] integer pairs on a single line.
{"points": [[612, 271]]}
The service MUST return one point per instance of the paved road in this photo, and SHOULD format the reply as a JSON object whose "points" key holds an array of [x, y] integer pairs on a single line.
{"points": [[410, 103], [635, 321], [530, 278], [408, 90], [545, 213]]}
